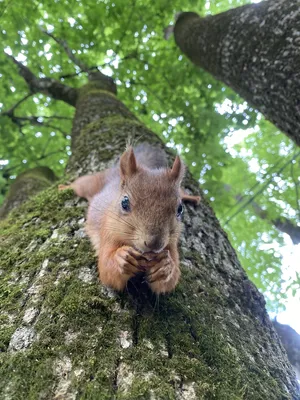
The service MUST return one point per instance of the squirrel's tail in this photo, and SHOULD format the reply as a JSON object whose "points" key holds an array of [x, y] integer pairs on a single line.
{"points": [[150, 156]]}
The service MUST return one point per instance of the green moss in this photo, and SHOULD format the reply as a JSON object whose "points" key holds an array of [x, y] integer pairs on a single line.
{"points": [[92, 91], [79, 321], [94, 87], [27, 184], [114, 129], [5, 335], [73, 304]]}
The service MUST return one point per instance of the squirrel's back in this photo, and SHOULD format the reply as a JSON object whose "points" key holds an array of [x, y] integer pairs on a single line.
{"points": [[149, 156]]}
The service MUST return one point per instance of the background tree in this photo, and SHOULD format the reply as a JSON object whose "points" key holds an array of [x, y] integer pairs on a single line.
{"points": [[63, 335], [291, 342], [189, 110], [255, 50]]}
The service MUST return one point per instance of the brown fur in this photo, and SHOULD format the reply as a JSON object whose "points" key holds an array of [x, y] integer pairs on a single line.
{"points": [[145, 238]]}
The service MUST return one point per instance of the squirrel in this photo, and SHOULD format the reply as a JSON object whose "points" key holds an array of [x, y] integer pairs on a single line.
{"points": [[134, 217]]}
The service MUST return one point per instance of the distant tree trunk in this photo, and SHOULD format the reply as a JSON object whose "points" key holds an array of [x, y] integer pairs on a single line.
{"points": [[291, 342], [254, 49], [65, 336], [27, 184]]}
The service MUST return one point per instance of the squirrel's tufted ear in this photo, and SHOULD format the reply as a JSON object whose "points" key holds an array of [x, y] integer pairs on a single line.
{"points": [[177, 170], [128, 166]]}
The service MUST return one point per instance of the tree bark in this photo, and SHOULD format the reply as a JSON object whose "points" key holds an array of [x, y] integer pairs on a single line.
{"points": [[65, 336], [254, 49], [27, 184], [291, 342]]}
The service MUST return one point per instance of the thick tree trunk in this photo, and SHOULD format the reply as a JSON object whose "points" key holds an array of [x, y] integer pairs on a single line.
{"points": [[65, 336], [254, 49]]}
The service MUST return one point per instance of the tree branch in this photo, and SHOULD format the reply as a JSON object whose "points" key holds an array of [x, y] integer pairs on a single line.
{"points": [[283, 224], [269, 172], [47, 86], [131, 55], [34, 120], [108, 82], [68, 51], [12, 109], [67, 76], [263, 187]]}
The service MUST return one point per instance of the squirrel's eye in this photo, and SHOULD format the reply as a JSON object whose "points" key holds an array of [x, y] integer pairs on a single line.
{"points": [[125, 203], [179, 210]]}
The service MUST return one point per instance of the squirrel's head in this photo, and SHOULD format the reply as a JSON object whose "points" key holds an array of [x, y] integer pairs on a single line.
{"points": [[149, 206]]}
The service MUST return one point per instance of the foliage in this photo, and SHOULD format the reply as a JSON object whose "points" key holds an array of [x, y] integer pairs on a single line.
{"points": [[183, 104]]}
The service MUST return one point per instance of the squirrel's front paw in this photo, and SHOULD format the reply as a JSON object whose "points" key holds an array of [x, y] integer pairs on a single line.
{"points": [[128, 260], [164, 275]]}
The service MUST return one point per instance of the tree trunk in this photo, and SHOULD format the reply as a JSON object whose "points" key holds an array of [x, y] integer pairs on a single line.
{"points": [[254, 49], [27, 184], [291, 342], [65, 336]]}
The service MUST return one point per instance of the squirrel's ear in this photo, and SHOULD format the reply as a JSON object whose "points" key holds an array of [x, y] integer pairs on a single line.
{"points": [[128, 166], [177, 170]]}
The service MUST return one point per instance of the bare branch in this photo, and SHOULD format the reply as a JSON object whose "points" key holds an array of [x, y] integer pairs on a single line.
{"points": [[47, 86], [68, 51]]}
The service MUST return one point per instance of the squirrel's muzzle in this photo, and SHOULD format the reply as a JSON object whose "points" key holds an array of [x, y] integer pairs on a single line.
{"points": [[154, 243]]}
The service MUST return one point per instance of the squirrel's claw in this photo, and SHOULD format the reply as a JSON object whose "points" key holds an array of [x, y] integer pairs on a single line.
{"points": [[126, 258], [64, 187]]}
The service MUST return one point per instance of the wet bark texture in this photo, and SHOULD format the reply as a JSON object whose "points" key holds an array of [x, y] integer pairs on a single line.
{"points": [[254, 49], [65, 336]]}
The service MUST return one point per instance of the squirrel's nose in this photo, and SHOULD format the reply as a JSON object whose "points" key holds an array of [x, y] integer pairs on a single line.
{"points": [[154, 243]]}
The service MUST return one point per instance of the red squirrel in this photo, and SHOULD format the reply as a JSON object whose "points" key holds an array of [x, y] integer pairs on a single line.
{"points": [[133, 219]]}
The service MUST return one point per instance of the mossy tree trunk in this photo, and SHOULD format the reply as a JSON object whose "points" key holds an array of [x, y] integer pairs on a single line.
{"points": [[27, 184], [65, 336], [254, 49]]}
